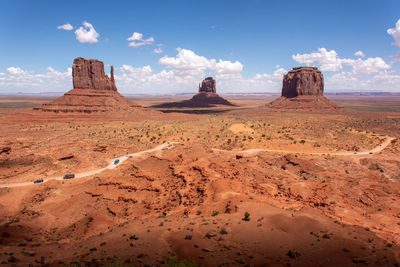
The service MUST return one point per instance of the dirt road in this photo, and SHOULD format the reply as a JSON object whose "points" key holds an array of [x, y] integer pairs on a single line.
{"points": [[110, 166], [257, 150]]}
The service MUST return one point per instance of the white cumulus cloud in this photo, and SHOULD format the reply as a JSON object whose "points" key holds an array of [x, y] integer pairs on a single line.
{"points": [[51, 79], [86, 33], [188, 64], [366, 66], [395, 33], [158, 50], [330, 61], [15, 71], [228, 67], [137, 40], [359, 53], [136, 73], [66, 27]]}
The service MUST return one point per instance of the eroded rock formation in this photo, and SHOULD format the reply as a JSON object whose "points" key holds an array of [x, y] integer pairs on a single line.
{"points": [[303, 81], [208, 85], [89, 74], [206, 97], [93, 92], [303, 89]]}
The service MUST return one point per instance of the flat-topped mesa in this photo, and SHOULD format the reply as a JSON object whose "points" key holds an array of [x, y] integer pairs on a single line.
{"points": [[303, 81], [208, 85], [303, 89], [89, 74]]}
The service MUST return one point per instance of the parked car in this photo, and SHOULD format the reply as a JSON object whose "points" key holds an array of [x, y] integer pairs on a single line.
{"points": [[38, 181], [116, 161], [69, 176]]}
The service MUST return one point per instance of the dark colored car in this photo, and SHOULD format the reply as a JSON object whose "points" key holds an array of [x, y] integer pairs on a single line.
{"points": [[116, 161], [69, 176], [38, 181]]}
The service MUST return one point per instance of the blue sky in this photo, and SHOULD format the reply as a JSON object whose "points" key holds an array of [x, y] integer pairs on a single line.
{"points": [[246, 45]]}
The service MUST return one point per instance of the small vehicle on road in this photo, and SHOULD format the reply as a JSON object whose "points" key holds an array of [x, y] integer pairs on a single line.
{"points": [[69, 176], [116, 161], [38, 181], [164, 148]]}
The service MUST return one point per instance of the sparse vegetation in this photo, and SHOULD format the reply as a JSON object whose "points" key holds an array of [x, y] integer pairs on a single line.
{"points": [[246, 217]]}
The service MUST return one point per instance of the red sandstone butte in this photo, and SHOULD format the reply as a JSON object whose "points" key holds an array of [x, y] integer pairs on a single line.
{"points": [[93, 92], [303, 81], [208, 85], [303, 89], [89, 74], [206, 97]]}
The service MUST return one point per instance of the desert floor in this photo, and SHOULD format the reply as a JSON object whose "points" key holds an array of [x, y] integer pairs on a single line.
{"points": [[235, 186]]}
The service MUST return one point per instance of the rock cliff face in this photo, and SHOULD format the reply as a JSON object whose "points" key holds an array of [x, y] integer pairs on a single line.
{"points": [[208, 85], [302, 89], [89, 74], [303, 81]]}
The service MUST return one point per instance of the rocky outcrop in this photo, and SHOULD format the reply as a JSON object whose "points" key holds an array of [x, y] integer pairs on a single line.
{"points": [[208, 85], [303, 89], [5, 150], [303, 81], [88, 101], [89, 74], [93, 92], [205, 98]]}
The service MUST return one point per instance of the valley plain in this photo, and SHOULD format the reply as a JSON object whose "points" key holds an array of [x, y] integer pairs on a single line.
{"points": [[234, 186]]}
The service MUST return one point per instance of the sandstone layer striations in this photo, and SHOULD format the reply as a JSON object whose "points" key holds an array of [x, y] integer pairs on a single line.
{"points": [[89, 74], [93, 92], [303, 88], [303, 81], [206, 97]]}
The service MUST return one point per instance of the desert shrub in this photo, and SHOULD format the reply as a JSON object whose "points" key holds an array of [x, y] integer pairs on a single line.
{"points": [[215, 213], [246, 216]]}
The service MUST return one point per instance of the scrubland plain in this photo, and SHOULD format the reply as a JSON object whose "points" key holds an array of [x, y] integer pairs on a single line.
{"points": [[242, 185]]}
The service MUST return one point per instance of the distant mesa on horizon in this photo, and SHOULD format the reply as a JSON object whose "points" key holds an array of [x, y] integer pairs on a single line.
{"points": [[93, 92], [303, 89], [206, 97]]}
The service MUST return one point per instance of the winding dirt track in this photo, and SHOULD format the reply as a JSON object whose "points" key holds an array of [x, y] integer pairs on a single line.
{"points": [[121, 159], [110, 166], [257, 150]]}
